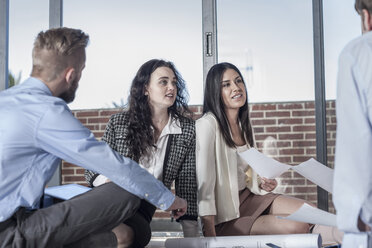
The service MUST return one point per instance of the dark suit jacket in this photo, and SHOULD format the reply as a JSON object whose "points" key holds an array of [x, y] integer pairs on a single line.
{"points": [[179, 162]]}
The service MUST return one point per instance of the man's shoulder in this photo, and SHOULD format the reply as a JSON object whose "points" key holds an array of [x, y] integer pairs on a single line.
{"points": [[358, 45]]}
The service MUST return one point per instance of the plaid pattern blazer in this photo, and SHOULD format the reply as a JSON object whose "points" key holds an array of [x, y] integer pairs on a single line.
{"points": [[179, 161]]}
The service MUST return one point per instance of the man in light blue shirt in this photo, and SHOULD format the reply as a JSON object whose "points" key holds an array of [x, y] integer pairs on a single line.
{"points": [[37, 130], [353, 165]]}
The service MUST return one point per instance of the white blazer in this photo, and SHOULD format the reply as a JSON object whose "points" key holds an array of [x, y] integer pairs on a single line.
{"points": [[216, 169]]}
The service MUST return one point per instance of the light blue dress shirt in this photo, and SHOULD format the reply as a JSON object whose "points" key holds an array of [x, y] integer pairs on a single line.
{"points": [[353, 165], [37, 130]]}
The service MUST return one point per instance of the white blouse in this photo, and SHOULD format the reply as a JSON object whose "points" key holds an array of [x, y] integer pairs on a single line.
{"points": [[153, 163], [242, 168]]}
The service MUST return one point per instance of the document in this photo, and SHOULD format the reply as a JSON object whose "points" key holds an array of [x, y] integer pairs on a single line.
{"points": [[311, 169], [67, 191], [309, 214], [251, 241]]}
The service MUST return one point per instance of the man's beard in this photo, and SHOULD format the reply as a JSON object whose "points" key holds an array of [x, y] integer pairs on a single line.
{"points": [[69, 95]]}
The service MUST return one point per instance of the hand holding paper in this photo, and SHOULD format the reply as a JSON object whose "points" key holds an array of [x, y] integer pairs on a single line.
{"points": [[270, 168]]}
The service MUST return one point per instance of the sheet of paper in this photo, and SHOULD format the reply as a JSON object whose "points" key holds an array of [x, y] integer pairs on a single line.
{"points": [[263, 165], [309, 214], [252, 241], [316, 172], [270, 168], [67, 191]]}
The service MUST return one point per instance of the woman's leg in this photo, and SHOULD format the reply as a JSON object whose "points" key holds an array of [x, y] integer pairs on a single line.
{"points": [[286, 205], [281, 206]]}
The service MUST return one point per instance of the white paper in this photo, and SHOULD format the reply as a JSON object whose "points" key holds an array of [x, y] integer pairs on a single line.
{"points": [[316, 172], [252, 241], [67, 191], [309, 214], [270, 168], [263, 165]]}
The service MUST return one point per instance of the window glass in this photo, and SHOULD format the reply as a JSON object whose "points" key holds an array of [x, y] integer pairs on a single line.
{"points": [[26, 20], [126, 34], [271, 42]]}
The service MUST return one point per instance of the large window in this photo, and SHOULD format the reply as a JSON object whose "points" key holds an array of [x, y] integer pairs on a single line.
{"points": [[26, 20], [124, 35], [272, 43]]}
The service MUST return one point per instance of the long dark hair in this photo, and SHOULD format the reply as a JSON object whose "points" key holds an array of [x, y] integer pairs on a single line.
{"points": [[141, 135], [213, 103]]}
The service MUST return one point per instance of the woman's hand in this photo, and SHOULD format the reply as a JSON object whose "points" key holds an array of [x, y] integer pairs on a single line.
{"points": [[268, 184], [208, 226]]}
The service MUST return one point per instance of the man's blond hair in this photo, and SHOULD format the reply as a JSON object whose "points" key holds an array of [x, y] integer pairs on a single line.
{"points": [[56, 49]]}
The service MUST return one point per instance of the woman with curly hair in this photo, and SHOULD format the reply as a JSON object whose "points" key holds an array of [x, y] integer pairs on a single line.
{"points": [[157, 132]]}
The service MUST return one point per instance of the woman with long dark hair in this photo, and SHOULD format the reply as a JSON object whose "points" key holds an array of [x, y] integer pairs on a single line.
{"points": [[157, 132], [232, 199]]}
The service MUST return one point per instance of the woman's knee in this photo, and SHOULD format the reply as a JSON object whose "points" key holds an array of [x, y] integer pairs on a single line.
{"points": [[297, 227]]}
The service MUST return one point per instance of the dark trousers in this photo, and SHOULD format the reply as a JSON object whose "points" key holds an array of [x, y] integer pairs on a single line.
{"points": [[83, 221]]}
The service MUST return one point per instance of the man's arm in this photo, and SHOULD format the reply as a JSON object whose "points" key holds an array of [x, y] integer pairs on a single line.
{"points": [[62, 135]]}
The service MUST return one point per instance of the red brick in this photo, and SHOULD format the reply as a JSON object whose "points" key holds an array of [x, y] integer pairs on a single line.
{"points": [[98, 135], [65, 164], [264, 107], [303, 113], [293, 181], [303, 143], [304, 189], [263, 122], [98, 120], [300, 159], [290, 121], [331, 127], [92, 127], [291, 106], [73, 178], [278, 114], [80, 171], [264, 136], [86, 113], [310, 151], [256, 114], [258, 129], [291, 151], [283, 144], [287, 174], [108, 113], [310, 136], [278, 129], [331, 112], [303, 128], [309, 120], [83, 120], [68, 171], [291, 136], [310, 105]]}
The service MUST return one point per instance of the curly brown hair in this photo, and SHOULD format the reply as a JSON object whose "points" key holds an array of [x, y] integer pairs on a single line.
{"points": [[141, 135]]}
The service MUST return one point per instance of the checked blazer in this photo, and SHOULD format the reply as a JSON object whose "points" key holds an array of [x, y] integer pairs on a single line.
{"points": [[179, 161]]}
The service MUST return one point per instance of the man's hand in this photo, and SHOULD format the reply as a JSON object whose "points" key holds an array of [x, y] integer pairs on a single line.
{"points": [[268, 184], [178, 207]]}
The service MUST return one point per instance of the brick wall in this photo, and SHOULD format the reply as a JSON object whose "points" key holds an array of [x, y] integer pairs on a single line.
{"points": [[284, 131]]}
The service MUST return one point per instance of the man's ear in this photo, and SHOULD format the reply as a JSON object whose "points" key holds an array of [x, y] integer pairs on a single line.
{"points": [[70, 75], [367, 20]]}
